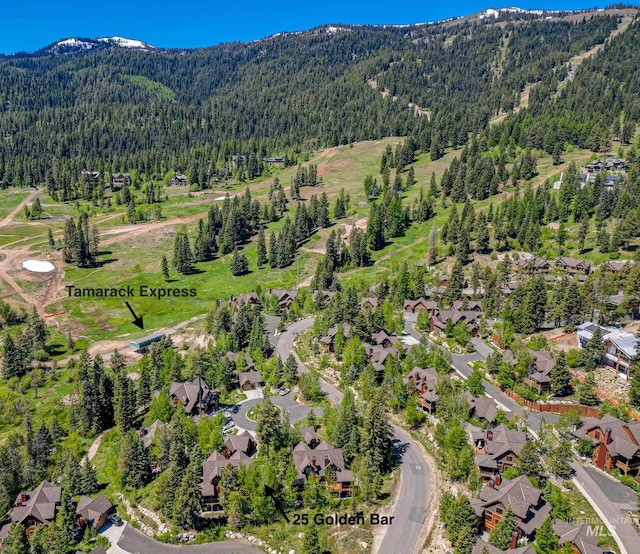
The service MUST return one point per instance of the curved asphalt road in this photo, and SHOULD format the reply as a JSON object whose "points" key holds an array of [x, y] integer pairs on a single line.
{"points": [[401, 536]]}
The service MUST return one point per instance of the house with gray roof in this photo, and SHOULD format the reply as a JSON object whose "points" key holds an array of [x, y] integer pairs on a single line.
{"points": [[94, 511], [495, 450], [521, 496], [195, 396], [327, 463], [621, 347], [36, 507], [582, 537]]}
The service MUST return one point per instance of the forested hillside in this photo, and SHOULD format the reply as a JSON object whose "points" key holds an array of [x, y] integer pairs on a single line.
{"points": [[151, 112]]}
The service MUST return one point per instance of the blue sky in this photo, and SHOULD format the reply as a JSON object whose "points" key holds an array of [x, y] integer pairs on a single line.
{"points": [[28, 25]]}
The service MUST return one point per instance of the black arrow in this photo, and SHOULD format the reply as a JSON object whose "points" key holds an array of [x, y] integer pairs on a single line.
{"points": [[137, 321], [268, 491]]}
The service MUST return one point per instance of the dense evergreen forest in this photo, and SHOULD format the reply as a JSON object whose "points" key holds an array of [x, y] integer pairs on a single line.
{"points": [[213, 112]]}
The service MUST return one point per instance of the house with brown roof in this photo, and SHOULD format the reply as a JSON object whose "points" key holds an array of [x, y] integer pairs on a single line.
{"points": [[533, 265], [521, 496], [471, 318], [384, 339], [327, 463], [423, 385], [377, 355], [148, 433], [309, 436], [179, 181], [242, 442], [495, 450], [322, 297], [93, 511], [582, 537], [419, 305], [250, 380], [328, 339], [212, 469], [120, 179], [195, 396], [616, 443], [539, 376], [573, 265], [250, 299], [482, 408], [370, 301], [36, 507], [284, 297]]}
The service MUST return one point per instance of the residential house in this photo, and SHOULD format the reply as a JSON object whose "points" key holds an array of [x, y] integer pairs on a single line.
{"points": [[377, 355], [424, 386], [539, 376], [370, 301], [613, 266], [93, 511], [179, 181], [328, 339], [573, 265], [211, 471], [482, 408], [119, 180], [327, 463], [242, 442], [384, 339], [621, 347], [148, 433], [533, 265], [521, 496], [285, 297], [616, 443], [495, 450], [277, 160], [92, 176], [249, 298], [322, 297], [466, 306], [582, 537], [309, 436], [419, 305], [439, 318], [233, 358], [482, 547], [250, 380], [36, 507], [195, 396]]}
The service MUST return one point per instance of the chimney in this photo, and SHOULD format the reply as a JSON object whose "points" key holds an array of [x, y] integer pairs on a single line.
{"points": [[607, 435], [270, 291], [498, 479], [326, 461], [514, 540], [489, 435], [491, 483], [313, 462]]}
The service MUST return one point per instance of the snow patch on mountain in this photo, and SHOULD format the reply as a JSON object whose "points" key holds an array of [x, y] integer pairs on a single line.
{"points": [[126, 42]]}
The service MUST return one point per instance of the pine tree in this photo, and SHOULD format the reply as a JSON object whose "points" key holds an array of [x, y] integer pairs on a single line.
{"points": [[500, 535], [269, 428], [88, 479], [455, 283], [13, 362], [528, 462], [634, 387], [377, 433], [560, 376], [546, 540], [311, 543], [187, 504], [134, 462], [164, 268], [52, 242], [239, 264], [291, 369], [261, 249], [16, 541], [584, 390]]}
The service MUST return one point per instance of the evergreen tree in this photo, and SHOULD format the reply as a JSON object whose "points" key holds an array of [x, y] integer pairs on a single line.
{"points": [[546, 540], [239, 263], [500, 535], [634, 387], [560, 376], [584, 390], [455, 283], [291, 369], [13, 361], [16, 541], [377, 433], [52, 242], [187, 504], [182, 256], [134, 462], [164, 268], [528, 462], [88, 479], [311, 543], [269, 428], [261, 249]]}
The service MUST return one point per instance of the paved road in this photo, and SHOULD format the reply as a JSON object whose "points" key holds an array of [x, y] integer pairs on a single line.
{"points": [[612, 513], [415, 493], [135, 542], [608, 498], [297, 413]]}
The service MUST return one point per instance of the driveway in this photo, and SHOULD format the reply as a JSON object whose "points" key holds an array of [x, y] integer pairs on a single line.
{"points": [[254, 394], [132, 541], [297, 412]]}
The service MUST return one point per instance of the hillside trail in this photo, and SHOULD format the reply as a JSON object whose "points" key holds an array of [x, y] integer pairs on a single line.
{"points": [[18, 208]]}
